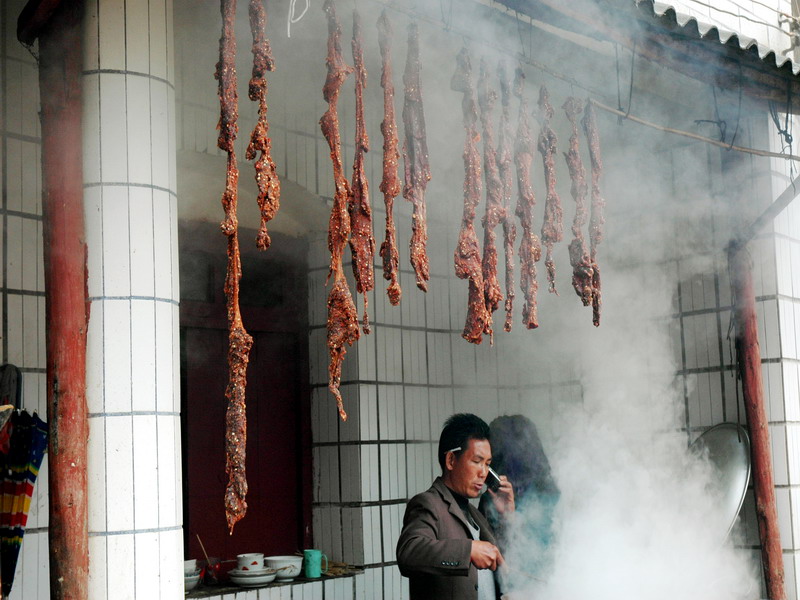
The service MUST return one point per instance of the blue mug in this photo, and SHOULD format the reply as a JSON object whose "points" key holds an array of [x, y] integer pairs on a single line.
{"points": [[312, 563]]}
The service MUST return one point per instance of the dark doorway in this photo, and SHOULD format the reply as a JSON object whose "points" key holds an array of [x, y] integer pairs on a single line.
{"points": [[273, 300]]}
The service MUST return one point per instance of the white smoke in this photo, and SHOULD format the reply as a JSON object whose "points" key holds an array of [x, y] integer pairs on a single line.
{"points": [[638, 516]]}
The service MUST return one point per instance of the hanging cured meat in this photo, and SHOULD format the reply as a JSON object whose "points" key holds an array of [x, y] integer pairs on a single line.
{"points": [[552, 227], [362, 242], [582, 271], [596, 219], [415, 158], [342, 317], [467, 254], [390, 184], [269, 188], [507, 179], [494, 200], [530, 250], [239, 341]]}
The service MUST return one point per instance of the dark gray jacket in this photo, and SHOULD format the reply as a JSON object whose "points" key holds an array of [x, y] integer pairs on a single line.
{"points": [[435, 544]]}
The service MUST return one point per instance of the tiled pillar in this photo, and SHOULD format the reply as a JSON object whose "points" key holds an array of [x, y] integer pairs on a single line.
{"points": [[135, 513]]}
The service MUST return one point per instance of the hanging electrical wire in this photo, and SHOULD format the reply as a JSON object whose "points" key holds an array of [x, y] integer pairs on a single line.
{"points": [[292, 19]]}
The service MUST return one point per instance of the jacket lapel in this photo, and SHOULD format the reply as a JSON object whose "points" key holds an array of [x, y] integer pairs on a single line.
{"points": [[452, 506]]}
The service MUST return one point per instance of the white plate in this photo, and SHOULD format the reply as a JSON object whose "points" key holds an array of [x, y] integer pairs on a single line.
{"points": [[251, 580], [251, 572]]}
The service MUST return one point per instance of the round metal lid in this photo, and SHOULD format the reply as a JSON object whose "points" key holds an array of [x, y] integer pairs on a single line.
{"points": [[728, 447]]}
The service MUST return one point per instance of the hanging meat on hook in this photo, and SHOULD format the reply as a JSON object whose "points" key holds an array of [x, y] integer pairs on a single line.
{"points": [[507, 179], [596, 219], [552, 227], [239, 341], [467, 254], [582, 271], [269, 187], [530, 250], [494, 200], [342, 327], [362, 242], [415, 159], [390, 184]]}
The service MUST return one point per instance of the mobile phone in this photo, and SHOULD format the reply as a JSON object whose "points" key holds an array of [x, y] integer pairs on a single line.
{"points": [[492, 480]]}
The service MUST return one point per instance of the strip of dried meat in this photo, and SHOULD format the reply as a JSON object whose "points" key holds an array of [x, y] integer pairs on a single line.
{"points": [[596, 219], [269, 187], [552, 227], [494, 199], [530, 250], [342, 318], [362, 242], [390, 184], [239, 341], [507, 179], [582, 271], [415, 158], [468, 254]]}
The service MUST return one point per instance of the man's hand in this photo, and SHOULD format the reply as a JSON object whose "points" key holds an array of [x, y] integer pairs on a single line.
{"points": [[503, 498], [485, 555]]}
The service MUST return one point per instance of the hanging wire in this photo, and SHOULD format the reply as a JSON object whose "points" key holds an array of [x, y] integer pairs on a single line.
{"points": [[619, 85], [292, 18], [739, 109], [721, 124], [447, 19], [619, 88], [788, 124], [519, 32], [630, 89]]}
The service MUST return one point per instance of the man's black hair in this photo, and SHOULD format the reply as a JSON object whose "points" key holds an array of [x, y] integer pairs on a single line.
{"points": [[458, 430]]}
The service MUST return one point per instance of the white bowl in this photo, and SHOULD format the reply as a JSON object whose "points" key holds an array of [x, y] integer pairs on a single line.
{"points": [[253, 561], [189, 566], [251, 578], [287, 567], [190, 581]]}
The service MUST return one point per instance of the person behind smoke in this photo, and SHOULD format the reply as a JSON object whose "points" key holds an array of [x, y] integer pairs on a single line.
{"points": [[447, 548], [519, 455]]}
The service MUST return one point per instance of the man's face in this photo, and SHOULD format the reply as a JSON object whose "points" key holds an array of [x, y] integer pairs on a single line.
{"points": [[466, 472]]}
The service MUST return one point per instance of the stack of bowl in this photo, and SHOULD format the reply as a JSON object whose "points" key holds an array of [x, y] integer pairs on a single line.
{"points": [[191, 574], [250, 570]]}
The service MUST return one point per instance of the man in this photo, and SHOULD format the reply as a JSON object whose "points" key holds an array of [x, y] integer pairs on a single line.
{"points": [[447, 548]]}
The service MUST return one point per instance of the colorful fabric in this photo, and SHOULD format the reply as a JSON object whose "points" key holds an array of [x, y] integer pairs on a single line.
{"points": [[20, 468]]}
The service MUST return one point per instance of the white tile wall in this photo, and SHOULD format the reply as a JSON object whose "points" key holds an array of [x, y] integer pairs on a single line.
{"points": [[370, 490], [146, 554], [98, 577], [390, 408], [780, 468], [793, 453], [117, 355], [119, 494], [145, 463], [417, 415], [120, 548], [350, 473], [166, 323], [772, 377]]}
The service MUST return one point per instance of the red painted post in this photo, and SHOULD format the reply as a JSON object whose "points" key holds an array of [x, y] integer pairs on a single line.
{"points": [[60, 69], [749, 359]]}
